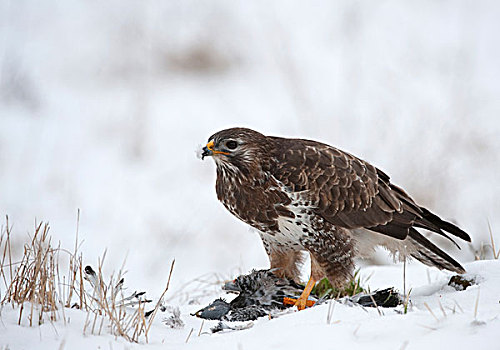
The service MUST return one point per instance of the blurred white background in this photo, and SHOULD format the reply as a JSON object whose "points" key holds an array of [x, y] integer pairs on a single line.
{"points": [[104, 105]]}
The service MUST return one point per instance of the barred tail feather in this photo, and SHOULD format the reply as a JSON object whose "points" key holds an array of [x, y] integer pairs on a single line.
{"points": [[429, 254]]}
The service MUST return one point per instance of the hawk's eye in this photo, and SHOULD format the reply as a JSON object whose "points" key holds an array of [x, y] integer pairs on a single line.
{"points": [[231, 144]]}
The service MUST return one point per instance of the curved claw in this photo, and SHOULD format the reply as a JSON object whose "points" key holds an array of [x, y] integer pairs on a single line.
{"points": [[303, 301], [292, 301]]}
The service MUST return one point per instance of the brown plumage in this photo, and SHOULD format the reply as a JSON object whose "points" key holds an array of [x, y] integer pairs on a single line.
{"points": [[306, 195]]}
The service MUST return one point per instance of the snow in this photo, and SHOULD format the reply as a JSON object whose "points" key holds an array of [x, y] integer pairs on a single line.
{"points": [[103, 107], [457, 325]]}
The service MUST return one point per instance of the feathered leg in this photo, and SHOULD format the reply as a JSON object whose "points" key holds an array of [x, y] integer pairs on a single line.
{"points": [[285, 263], [331, 257]]}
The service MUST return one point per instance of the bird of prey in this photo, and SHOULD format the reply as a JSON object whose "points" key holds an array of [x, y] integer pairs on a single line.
{"points": [[303, 195]]}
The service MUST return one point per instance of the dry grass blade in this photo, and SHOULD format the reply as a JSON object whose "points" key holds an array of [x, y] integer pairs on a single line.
{"points": [[496, 254], [201, 327], [442, 309], [432, 313], [375, 303], [458, 305], [189, 335], [151, 318], [73, 265], [7, 252], [477, 303], [404, 276], [331, 308], [406, 302]]}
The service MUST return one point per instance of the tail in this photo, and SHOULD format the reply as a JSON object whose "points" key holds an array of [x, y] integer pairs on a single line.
{"points": [[434, 223], [429, 254]]}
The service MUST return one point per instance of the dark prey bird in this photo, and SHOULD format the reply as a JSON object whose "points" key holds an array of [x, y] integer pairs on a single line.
{"points": [[303, 195], [260, 293]]}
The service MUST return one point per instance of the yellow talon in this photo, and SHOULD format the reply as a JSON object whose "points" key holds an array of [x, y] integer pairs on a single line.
{"points": [[292, 301], [302, 302]]}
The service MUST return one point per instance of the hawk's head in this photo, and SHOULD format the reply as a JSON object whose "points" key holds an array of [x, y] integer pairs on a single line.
{"points": [[239, 148]]}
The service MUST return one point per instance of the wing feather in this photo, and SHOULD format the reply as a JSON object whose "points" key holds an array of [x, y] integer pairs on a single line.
{"points": [[351, 193]]}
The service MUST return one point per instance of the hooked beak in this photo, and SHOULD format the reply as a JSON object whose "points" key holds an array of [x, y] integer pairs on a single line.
{"points": [[206, 152], [209, 150]]}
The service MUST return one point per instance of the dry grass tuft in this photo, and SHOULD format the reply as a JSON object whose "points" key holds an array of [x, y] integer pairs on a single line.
{"points": [[35, 286], [34, 281], [486, 250], [109, 304]]}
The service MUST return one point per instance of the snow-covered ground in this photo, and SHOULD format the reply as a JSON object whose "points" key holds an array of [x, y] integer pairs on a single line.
{"points": [[457, 320], [104, 105]]}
